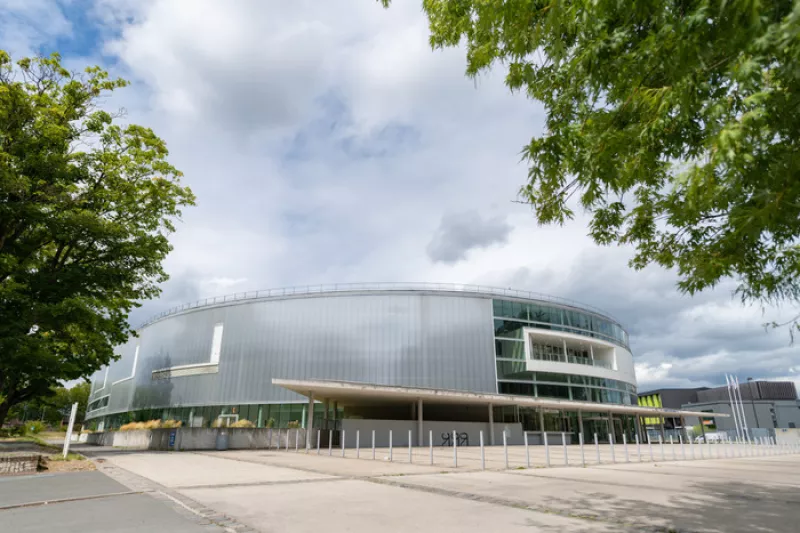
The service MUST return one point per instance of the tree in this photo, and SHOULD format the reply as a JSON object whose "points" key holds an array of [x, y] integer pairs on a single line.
{"points": [[55, 407], [673, 122], [86, 206]]}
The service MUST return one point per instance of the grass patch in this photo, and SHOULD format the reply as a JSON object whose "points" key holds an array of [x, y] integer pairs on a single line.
{"points": [[70, 457]]}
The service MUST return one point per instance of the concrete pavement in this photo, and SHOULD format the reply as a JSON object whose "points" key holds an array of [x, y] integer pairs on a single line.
{"points": [[271, 490], [85, 502]]}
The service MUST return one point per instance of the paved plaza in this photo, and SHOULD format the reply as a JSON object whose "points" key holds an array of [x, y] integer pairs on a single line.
{"points": [[279, 490]]}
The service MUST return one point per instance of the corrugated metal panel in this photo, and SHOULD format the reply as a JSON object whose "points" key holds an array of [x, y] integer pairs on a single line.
{"points": [[413, 339]]}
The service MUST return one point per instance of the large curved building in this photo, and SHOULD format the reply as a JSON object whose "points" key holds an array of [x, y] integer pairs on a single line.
{"points": [[216, 360]]}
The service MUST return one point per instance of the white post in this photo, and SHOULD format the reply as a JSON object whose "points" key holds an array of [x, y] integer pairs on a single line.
{"points": [[358, 443], [68, 436], [342, 443], [287, 439], [691, 447], [702, 453], [505, 447], [410, 458], [611, 442], [672, 447], [546, 449], [527, 452], [373, 444], [597, 448], [661, 444], [483, 459], [269, 439], [564, 447], [455, 449], [390, 445], [625, 445], [296, 440], [330, 442], [650, 447], [430, 444], [638, 448], [583, 456], [683, 450], [741, 411], [318, 435]]}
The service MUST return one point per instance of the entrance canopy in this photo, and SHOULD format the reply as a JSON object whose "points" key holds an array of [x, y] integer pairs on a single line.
{"points": [[349, 393]]}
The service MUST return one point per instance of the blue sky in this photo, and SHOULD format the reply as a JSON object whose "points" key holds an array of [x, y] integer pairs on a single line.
{"points": [[327, 143]]}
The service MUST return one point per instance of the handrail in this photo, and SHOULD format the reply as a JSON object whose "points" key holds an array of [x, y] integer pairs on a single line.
{"points": [[379, 287]]}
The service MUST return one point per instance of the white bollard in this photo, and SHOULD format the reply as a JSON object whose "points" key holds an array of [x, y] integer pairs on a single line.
{"points": [[672, 447], [483, 458], [597, 448], [373, 444], [318, 435], [638, 448], [611, 443], [269, 439], [296, 440], [650, 447], [661, 444], [583, 456], [287, 439], [390, 445], [625, 445], [564, 446], [455, 449], [358, 443], [410, 458], [342, 443], [683, 450], [430, 444], [546, 449], [527, 453], [505, 447], [330, 441]]}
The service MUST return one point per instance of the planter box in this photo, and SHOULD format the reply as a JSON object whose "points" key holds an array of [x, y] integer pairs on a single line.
{"points": [[199, 438]]}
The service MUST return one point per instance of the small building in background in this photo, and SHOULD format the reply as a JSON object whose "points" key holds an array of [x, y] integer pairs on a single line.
{"points": [[766, 405]]}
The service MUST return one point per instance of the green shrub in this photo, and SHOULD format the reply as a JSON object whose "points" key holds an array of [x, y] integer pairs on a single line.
{"points": [[271, 423], [294, 424], [171, 424], [35, 427], [244, 423]]}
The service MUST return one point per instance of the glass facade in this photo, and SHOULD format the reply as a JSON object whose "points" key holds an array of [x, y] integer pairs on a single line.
{"points": [[512, 375]]}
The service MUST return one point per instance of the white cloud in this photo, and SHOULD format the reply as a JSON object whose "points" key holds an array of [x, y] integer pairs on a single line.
{"points": [[325, 142]]}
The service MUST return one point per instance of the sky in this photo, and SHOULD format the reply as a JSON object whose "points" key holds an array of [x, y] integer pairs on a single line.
{"points": [[327, 143]]}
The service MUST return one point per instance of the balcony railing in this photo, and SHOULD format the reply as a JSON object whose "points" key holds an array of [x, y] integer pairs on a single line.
{"points": [[561, 358]]}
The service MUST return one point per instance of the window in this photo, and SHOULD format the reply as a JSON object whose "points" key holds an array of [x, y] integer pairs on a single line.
{"points": [[509, 349], [552, 391], [519, 389], [508, 328], [216, 343], [580, 394], [552, 376], [513, 370]]}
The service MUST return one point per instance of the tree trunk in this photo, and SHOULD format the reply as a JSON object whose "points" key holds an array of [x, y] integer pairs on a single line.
{"points": [[4, 408]]}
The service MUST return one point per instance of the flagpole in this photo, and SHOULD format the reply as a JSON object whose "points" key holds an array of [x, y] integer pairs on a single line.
{"points": [[733, 409], [741, 408]]}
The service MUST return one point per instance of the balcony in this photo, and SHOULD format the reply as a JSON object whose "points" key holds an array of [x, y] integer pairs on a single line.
{"points": [[562, 358]]}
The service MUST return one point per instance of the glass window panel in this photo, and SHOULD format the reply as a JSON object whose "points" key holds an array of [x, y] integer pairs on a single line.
{"points": [[552, 376], [513, 370], [539, 313], [581, 394], [508, 328], [497, 307], [507, 309], [509, 349], [552, 391], [520, 389]]}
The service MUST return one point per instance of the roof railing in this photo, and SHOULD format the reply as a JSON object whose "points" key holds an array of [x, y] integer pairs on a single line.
{"points": [[378, 287]]}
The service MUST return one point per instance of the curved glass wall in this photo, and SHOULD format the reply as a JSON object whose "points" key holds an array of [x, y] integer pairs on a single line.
{"points": [[511, 317]]}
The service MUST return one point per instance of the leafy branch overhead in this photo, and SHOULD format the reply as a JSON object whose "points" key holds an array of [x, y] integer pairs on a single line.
{"points": [[674, 123], [86, 207]]}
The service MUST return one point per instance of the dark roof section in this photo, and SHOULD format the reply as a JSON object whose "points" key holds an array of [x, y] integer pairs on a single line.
{"points": [[674, 398]]}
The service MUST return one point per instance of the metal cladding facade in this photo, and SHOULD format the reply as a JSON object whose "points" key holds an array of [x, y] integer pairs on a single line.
{"points": [[427, 337]]}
